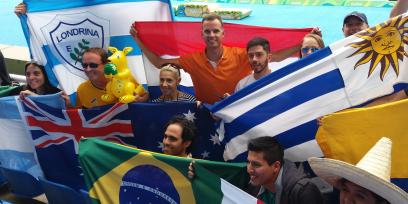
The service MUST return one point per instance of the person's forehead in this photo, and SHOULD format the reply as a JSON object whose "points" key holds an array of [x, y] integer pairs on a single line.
{"points": [[256, 156], [215, 23], [174, 129], [255, 49]]}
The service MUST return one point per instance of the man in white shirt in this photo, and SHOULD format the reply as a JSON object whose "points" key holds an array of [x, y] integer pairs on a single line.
{"points": [[259, 55]]}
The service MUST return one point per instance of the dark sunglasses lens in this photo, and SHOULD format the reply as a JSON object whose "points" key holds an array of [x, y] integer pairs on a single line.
{"points": [[91, 65], [306, 49]]}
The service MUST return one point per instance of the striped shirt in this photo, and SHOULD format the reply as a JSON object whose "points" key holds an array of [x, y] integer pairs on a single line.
{"points": [[182, 97]]}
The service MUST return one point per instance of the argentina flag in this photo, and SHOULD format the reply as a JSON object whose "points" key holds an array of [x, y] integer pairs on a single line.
{"points": [[58, 32], [286, 103]]}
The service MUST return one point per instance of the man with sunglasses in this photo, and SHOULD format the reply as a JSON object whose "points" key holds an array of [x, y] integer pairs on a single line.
{"points": [[89, 93]]}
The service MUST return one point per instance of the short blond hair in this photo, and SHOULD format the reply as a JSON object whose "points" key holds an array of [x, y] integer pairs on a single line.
{"points": [[173, 68]]}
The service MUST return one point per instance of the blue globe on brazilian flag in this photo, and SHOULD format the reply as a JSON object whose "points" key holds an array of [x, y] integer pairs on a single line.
{"points": [[116, 173]]}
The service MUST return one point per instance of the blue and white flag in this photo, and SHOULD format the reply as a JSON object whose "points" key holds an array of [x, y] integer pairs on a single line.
{"points": [[16, 146], [58, 32], [285, 104]]}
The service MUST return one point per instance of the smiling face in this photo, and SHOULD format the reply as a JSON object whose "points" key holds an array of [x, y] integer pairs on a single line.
{"points": [[173, 143], [212, 33], [168, 82], [353, 25], [94, 74], [35, 77], [260, 172]]}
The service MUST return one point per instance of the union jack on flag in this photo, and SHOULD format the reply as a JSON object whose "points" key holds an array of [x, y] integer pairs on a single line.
{"points": [[56, 133]]}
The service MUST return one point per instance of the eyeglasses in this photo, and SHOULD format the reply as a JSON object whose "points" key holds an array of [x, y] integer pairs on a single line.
{"points": [[305, 50], [91, 65]]}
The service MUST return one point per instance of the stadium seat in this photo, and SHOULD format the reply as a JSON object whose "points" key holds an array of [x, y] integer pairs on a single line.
{"points": [[21, 183], [61, 194], [2, 179]]}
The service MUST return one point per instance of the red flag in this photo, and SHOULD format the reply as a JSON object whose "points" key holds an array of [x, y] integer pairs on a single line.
{"points": [[179, 38]]}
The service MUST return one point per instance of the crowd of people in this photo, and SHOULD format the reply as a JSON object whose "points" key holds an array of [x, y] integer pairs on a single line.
{"points": [[217, 72]]}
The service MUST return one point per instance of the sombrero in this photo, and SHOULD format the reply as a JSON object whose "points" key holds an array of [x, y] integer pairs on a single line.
{"points": [[371, 172]]}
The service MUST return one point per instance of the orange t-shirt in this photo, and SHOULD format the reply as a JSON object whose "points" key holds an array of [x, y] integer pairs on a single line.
{"points": [[211, 83]]}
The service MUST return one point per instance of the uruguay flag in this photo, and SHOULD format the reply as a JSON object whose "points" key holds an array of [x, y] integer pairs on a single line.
{"points": [[285, 104], [58, 32]]}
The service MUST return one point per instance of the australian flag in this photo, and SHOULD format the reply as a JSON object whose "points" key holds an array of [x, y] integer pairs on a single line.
{"points": [[56, 132], [149, 119]]}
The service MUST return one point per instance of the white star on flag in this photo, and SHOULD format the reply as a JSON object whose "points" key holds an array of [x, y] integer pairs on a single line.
{"points": [[215, 139], [189, 116], [205, 154], [220, 131], [160, 146]]}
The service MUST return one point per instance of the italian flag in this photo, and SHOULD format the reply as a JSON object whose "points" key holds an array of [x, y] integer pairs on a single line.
{"points": [[116, 173]]}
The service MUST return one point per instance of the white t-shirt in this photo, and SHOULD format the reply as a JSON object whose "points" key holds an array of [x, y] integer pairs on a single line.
{"points": [[245, 82]]}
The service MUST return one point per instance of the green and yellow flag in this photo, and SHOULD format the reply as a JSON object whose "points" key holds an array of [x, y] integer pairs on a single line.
{"points": [[349, 134], [120, 174]]}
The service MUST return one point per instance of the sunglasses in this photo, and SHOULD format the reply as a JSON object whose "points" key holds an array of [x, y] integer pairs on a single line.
{"points": [[91, 65], [305, 50]]}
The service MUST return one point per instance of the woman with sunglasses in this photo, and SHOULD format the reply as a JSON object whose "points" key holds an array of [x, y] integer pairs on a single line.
{"points": [[169, 80], [37, 82], [311, 43]]}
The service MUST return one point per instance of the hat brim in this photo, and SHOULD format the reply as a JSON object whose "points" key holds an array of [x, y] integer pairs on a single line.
{"points": [[353, 15], [332, 170]]}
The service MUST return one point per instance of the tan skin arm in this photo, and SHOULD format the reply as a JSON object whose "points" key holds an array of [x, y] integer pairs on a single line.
{"points": [[154, 59], [143, 98], [390, 98], [400, 7], [284, 54]]}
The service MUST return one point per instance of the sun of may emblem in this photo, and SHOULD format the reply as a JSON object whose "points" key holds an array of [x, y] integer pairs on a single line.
{"points": [[383, 44]]}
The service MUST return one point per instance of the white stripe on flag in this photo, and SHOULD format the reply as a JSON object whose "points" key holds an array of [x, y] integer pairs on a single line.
{"points": [[234, 195], [275, 88], [14, 136], [287, 120], [304, 150]]}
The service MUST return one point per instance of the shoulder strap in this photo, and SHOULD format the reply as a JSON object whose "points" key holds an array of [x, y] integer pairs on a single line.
{"points": [[294, 192]]}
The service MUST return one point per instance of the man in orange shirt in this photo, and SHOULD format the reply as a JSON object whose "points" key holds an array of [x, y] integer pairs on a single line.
{"points": [[215, 70]]}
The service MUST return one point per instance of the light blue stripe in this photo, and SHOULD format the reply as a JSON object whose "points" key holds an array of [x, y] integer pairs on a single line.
{"points": [[51, 62], [23, 161], [24, 26], [296, 96], [49, 5], [274, 76], [9, 103], [125, 41]]}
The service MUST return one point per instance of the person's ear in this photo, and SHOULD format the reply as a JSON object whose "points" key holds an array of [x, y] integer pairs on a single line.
{"points": [[187, 144]]}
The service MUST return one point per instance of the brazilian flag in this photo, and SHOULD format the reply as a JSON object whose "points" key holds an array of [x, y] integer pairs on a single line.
{"points": [[116, 173]]}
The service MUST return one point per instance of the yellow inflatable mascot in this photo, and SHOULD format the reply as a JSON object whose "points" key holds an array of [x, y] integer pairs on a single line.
{"points": [[122, 85]]}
